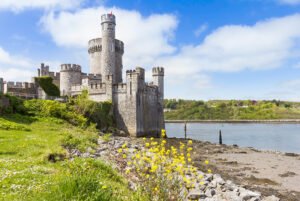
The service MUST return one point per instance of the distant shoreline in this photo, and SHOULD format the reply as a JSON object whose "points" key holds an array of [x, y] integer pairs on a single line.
{"points": [[274, 121]]}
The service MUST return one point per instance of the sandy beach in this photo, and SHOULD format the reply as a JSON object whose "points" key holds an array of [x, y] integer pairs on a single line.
{"points": [[271, 173]]}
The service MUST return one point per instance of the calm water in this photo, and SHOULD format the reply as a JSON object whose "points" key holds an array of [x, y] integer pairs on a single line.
{"points": [[279, 137]]}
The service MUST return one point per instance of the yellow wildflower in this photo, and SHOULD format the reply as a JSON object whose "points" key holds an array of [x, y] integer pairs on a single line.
{"points": [[206, 162], [190, 142], [124, 155], [104, 187], [209, 170], [120, 150]]}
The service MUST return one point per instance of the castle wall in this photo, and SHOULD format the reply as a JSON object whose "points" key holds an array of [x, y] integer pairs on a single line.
{"points": [[147, 112], [23, 90]]}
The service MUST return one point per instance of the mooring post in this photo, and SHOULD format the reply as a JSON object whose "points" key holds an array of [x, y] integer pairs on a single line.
{"points": [[185, 130], [220, 137]]}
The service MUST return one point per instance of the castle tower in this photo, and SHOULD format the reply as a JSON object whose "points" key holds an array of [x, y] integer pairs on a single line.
{"points": [[69, 75], [108, 22], [106, 53], [158, 80], [1, 85]]}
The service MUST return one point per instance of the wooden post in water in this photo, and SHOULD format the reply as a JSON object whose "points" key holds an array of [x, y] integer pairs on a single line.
{"points": [[220, 137], [185, 130]]}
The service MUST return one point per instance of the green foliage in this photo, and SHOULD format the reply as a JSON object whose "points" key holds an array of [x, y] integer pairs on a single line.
{"points": [[79, 140], [96, 112], [8, 125], [46, 83], [49, 108], [230, 110], [16, 105]]}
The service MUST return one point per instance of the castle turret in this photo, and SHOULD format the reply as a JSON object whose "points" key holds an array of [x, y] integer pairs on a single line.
{"points": [[1, 85], [158, 80], [108, 22], [69, 75]]}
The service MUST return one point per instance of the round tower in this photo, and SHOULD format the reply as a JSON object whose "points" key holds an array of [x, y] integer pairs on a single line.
{"points": [[94, 49], [158, 80], [69, 75], [108, 23]]}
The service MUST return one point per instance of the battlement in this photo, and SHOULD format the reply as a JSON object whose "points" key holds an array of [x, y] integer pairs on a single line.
{"points": [[95, 45], [20, 85], [94, 76], [120, 88], [108, 18], [69, 67], [119, 46], [158, 71]]}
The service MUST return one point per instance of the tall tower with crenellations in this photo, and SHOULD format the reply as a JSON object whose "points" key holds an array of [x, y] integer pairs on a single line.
{"points": [[106, 52]]}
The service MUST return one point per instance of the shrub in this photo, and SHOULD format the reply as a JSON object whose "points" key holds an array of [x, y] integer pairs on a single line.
{"points": [[16, 105], [46, 83], [95, 112], [49, 108], [8, 125]]}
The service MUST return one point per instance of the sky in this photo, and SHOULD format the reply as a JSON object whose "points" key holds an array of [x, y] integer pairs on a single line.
{"points": [[210, 49]]}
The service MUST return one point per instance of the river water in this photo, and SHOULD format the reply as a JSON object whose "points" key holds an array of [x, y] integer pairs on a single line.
{"points": [[276, 137]]}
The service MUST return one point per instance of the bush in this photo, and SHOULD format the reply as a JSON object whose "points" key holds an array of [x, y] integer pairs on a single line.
{"points": [[46, 83], [99, 113], [16, 105], [8, 125], [49, 108]]}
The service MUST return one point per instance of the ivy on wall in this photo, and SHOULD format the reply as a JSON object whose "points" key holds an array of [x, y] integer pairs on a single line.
{"points": [[46, 82]]}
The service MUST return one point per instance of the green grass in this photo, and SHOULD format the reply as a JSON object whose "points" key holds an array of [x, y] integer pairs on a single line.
{"points": [[27, 174]]}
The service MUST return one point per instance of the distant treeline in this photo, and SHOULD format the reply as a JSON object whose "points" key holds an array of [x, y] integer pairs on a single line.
{"points": [[179, 109]]}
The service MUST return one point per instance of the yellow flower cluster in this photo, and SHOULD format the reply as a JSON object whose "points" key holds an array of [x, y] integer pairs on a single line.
{"points": [[163, 170]]}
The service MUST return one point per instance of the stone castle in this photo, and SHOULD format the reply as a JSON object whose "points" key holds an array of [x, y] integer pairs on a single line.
{"points": [[137, 105]]}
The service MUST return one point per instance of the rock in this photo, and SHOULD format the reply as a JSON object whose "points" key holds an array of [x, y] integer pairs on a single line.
{"points": [[213, 184], [255, 199], [231, 195], [220, 181], [208, 177], [227, 187], [196, 194], [204, 185], [210, 192], [271, 198], [246, 195]]}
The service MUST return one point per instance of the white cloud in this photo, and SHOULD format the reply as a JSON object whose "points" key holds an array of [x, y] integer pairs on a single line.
{"points": [[267, 44], [145, 38], [201, 29], [15, 68], [19, 5], [7, 59], [292, 83], [291, 2]]}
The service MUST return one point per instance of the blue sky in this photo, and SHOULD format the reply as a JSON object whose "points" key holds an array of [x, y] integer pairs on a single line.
{"points": [[211, 49]]}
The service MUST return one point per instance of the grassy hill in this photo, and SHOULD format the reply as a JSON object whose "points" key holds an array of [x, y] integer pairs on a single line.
{"points": [[230, 110], [34, 162]]}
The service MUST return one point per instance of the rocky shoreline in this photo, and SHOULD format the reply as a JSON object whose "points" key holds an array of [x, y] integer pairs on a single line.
{"points": [[227, 183]]}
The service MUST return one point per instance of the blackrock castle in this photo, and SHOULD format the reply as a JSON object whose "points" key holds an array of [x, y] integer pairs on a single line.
{"points": [[137, 105]]}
